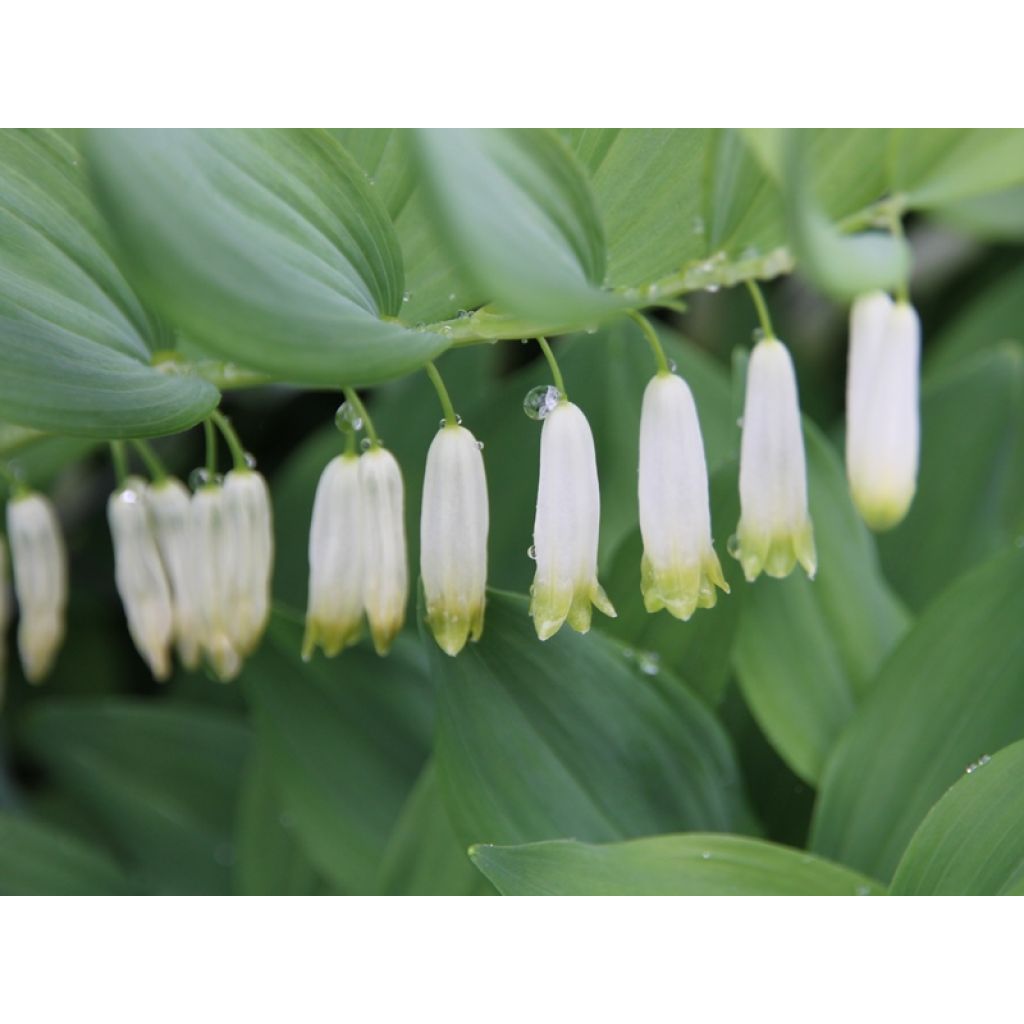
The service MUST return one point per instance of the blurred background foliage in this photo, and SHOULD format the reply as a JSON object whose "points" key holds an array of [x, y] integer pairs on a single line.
{"points": [[830, 715]]}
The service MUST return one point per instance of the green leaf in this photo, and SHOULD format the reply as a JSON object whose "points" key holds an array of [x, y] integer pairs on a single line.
{"points": [[806, 651], [681, 865], [267, 247], [424, 857], [950, 693], [972, 842], [993, 217], [269, 861], [571, 738], [937, 166], [161, 781], [517, 212], [698, 651], [344, 741], [40, 860], [970, 491], [76, 345]]}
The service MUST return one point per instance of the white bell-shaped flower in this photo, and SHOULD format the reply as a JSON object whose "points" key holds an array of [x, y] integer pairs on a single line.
{"points": [[385, 563], [215, 553], [247, 510], [774, 531], [170, 510], [334, 614], [882, 419], [565, 530], [679, 569], [140, 576], [453, 538], [40, 563]]}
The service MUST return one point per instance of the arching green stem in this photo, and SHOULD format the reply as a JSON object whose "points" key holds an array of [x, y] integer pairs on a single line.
{"points": [[119, 456], [442, 393], [556, 373], [357, 404], [210, 434], [234, 444], [653, 340], [762, 309], [156, 468], [896, 226]]}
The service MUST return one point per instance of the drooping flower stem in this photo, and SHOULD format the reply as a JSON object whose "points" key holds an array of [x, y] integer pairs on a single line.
{"points": [[357, 404], [556, 373], [119, 457], [442, 393], [210, 435], [652, 339], [762, 309], [896, 227], [156, 468], [234, 444]]}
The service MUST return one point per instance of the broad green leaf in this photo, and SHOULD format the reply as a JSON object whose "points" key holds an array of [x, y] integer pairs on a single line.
{"points": [[572, 738], [269, 861], [806, 651], [970, 494], [972, 842], [517, 212], [680, 865], [435, 286], [39, 860], [699, 651], [76, 345], [162, 782], [344, 740], [950, 693], [267, 247], [936, 166], [37, 458], [993, 217], [424, 857]]}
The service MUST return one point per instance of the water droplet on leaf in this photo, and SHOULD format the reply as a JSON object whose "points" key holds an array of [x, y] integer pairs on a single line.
{"points": [[541, 401]]}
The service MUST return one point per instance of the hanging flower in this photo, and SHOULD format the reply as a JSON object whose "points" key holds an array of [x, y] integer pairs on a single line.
{"points": [[215, 553], [774, 531], [565, 531], [140, 577], [248, 517], [169, 506], [40, 563], [385, 567], [334, 614], [882, 422], [680, 569], [453, 538]]}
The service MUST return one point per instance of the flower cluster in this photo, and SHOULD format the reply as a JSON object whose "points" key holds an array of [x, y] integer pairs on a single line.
{"points": [[193, 569]]}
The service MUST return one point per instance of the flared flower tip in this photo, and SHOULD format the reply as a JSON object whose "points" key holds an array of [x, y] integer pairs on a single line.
{"points": [[565, 531], [679, 569], [334, 612], [385, 565], [39, 562], [882, 417], [453, 538], [140, 577], [774, 531]]}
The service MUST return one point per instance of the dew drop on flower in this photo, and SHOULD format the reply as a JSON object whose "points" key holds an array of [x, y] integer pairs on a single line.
{"points": [[673, 365], [541, 400], [732, 545], [129, 496], [365, 444], [347, 419], [531, 552], [480, 445], [199, 477], [250, 460], [757, 334]]}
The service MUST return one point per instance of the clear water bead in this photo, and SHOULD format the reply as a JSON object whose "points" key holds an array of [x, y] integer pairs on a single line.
{"points": [[648, 662], [250, 460], [541, 401], [531, 553], [480, 445], [130, 496], [757, 334], [365, 444], [980, 763], [199, 477], [347, 418]]}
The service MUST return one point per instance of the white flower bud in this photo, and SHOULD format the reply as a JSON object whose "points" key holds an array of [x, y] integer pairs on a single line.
{"points": [[774, 531], [170, 512], [882, 422], [334, 614], [385, 565], [565, 530], [247, 510], [40, 564], [215, 552], [680, 569], [139, 573], [453, 538]]}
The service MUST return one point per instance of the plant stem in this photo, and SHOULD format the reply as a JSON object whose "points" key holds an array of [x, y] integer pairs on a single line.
{"points": [[903, 288], [556, 373], [357, 404], [234, 444], [652, 339], [119, 456], [762, 309], [211, 448], [156, 468], [442, 393]]}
